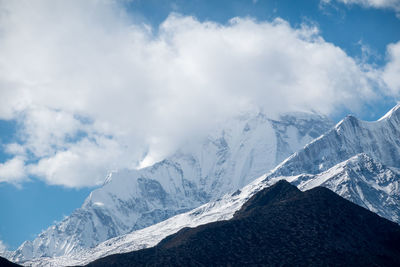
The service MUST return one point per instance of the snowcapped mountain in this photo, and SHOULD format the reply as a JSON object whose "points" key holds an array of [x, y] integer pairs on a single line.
{"points": [[221, 209], [279, 225], [356, 159], [360, 179], [380, 140], [243, 149]]}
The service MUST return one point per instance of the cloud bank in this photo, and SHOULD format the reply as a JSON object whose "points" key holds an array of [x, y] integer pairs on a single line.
{"points": [[94, 91]]}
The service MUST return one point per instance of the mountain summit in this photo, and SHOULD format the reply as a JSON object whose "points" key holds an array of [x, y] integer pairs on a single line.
{"points": [[351, 136]]}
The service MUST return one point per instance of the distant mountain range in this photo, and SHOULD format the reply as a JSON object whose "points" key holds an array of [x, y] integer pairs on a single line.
{"points": [[234, 155], [279, 225], [358, 160]]}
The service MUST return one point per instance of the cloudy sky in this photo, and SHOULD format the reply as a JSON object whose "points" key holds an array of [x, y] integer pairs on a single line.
{"points": [[88, 87]]}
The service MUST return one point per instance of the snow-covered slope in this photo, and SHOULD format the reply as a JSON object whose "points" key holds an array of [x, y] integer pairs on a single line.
{"points": [[360, 179], [243, 149], [221, 209], [347, 160], [379, 139]]}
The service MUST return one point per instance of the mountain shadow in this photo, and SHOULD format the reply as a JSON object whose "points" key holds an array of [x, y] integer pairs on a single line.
{"points": [[6, 263], [279, 225]]}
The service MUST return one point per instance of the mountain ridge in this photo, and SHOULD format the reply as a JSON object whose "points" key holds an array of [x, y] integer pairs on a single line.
{"points": [[227, 160], [346, 140], [383, 189], [283, 226], [220, 210]]}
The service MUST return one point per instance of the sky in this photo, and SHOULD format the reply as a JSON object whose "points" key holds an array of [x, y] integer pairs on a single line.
{"points": [[89, 87]]}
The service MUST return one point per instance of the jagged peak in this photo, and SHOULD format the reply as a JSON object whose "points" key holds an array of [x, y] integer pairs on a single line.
{"points": [[349, 120], [395, 111], [360, 159], [367, 162], [361, 156]]}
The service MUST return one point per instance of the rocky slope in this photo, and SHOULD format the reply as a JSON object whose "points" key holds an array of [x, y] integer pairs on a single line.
{"points": [[243, 149]]}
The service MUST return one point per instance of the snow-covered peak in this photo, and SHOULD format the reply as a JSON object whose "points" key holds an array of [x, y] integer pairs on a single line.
{"points": [[348, 123], [227, 159], [351, 136], [355, 159], [360, 179], [394, 112]]}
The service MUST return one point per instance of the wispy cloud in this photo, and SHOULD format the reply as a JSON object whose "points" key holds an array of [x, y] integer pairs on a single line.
{"points": [[380, 4], [94, 92], [391, 73], [3, 247]]}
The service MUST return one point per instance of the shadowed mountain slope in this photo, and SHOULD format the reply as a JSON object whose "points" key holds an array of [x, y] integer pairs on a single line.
{"points": [[6, 263], [279, 225]]}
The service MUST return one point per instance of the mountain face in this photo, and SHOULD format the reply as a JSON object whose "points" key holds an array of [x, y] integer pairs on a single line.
{"points": [[243, 149], [350, 159], [361, 178], [380, 140], [279, 225], [358, 160]]}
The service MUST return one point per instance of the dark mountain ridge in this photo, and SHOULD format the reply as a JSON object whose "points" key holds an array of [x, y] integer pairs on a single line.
{"points": [[6, 263], [279, 225]]}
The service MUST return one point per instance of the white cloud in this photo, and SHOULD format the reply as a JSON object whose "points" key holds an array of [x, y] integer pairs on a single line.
{"points": [[391, 73], [13, 170], [84, 164], [380, 4], [3, 247], [94, 91]]}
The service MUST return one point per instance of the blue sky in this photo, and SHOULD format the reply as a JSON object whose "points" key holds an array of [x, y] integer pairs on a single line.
{"points": [[97, 90]]}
